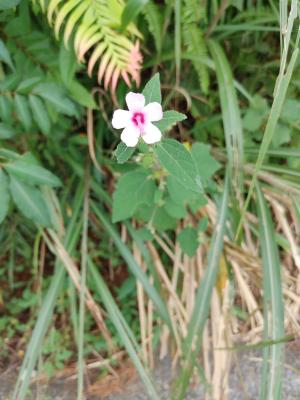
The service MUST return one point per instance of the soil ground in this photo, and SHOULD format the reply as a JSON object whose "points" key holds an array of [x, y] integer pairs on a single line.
{"points": [[244, 382]]}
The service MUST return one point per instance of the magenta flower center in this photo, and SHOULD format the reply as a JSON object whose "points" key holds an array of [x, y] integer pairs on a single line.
{"points": [[138, 119]]}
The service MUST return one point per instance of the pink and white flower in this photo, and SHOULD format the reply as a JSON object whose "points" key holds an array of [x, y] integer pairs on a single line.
{"points": [[137, 121]]}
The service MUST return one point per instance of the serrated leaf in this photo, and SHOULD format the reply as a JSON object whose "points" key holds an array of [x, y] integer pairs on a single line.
{"points": [[175, 210], [162, 221], [179, 194], [123, 153], [169, 119], [56, 96], [188, 240], [4, 195], [177, 160], [23, 111], [4, 54], [205, 163], [152, 90], [29, 202], [40, 114], [6, 131], [32, 174], [133, 189]]}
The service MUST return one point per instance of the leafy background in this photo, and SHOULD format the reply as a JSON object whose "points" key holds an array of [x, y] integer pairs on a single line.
{"points": [[179, 248]]}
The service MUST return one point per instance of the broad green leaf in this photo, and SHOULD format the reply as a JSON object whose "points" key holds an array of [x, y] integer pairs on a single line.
{"points": [[31, 173], [123, 153], [81, 95], [23, 111], [6, 131], [178, 161], [162, 221], [272, 369], [169, 119], [5, 4], [131, 10], [4, 53], [29, 202], [40, 114], [56, 96], [4, 195], [179, 194], [188, 240], [205, 163], [175, 210], [133, 189], [152, 90]]}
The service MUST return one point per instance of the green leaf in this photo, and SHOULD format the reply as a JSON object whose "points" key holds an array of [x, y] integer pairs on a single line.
{"points": [[200, 313], [81, 95], [169, 119], [4, 195], [29, 202], [56, 96], [123, 153], [188, 240], [230, 113], [28, 84], [31, 173], [23, 111], [67, 64], [4, 54], [178, 161], [5, 4], [152, 90], [179, 194], [272, 368], [175, 210], [5, 108], [206, 165], [6, 131], [40, 114], [133, 189], [131, 10]]}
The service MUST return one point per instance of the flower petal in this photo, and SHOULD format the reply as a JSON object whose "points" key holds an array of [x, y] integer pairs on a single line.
{"points": [[130, 136], [135, 101], [121, 118], [151, 134], [153, 111]]}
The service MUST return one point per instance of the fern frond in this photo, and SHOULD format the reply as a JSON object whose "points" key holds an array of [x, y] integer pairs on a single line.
{"points": [[94, 25], [194, 39], [154, 19]]}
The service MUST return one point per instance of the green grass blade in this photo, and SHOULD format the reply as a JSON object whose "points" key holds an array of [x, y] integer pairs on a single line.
{"points": [[133, 266], [270, 388], [45, 314], [114, 315], [83, 270], [203, 297], [282, 85], [230, 114]]}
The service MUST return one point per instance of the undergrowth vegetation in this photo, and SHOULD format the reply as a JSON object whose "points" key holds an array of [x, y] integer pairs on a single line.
{"points": [[186, 243]]}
